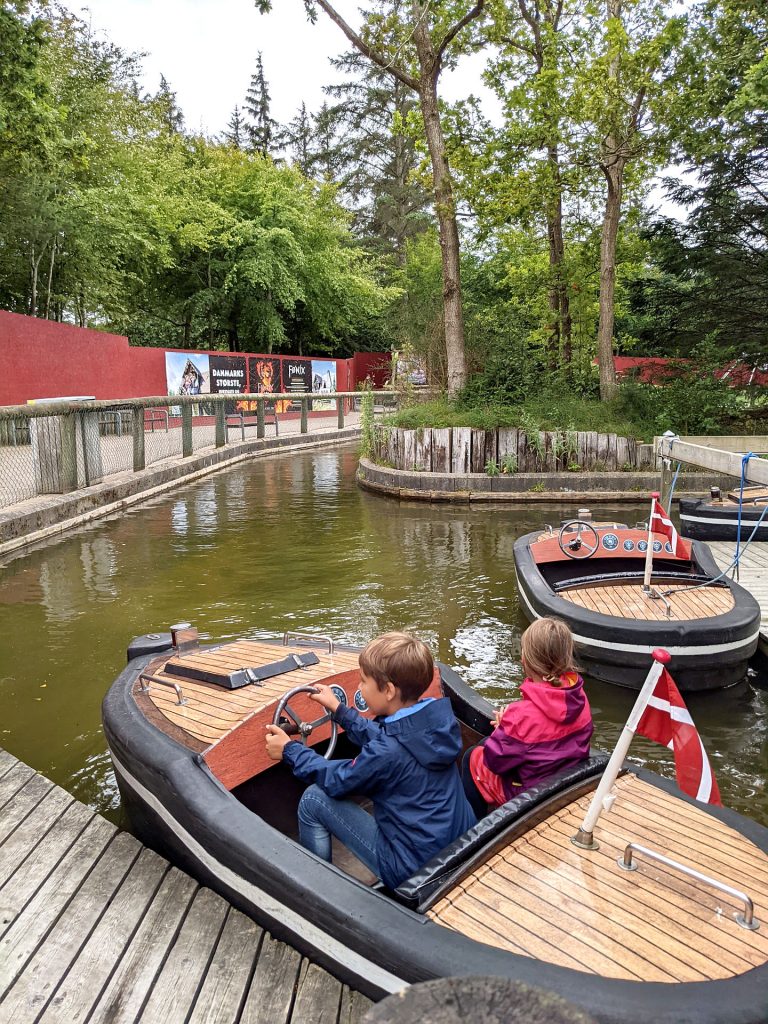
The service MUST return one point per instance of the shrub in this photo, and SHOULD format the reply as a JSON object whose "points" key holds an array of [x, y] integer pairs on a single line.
{"points": [[491, 467]]}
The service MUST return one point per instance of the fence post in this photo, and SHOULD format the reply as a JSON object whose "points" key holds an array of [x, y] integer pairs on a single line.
{"points": [[260, 417], [139, 451], [221, 424], [340, 407], [69, 452], [304, 412], [186, 429]]}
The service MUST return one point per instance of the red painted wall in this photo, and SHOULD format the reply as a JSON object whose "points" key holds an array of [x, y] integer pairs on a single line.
{"points": [[43, 359]]}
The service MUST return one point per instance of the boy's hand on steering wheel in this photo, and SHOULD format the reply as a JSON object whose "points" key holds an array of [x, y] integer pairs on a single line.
{"points": [[277, 740], [325, 696]]}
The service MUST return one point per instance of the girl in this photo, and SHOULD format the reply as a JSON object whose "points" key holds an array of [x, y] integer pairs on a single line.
{"points": [[548, 729]]}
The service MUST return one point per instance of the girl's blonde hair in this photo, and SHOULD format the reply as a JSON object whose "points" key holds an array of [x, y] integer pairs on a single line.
{"points": [[547, 650]]}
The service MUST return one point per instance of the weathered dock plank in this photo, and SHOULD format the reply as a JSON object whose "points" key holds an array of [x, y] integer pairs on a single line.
{"points": [[229, 972], [318, 996], [177, 983], [132, 980], [270, 996], [752, 575], [96, 928]]}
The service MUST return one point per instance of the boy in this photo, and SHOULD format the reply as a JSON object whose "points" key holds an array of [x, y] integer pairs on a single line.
{"points": [[407, 766]]}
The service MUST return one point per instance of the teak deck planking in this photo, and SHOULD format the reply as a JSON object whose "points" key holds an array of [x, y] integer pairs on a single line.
{"points": [[628, 601], [95, 927], [212, 711], [542, 897], [752, 574]]}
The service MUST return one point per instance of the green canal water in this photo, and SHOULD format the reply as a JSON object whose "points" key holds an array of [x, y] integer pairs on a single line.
{"points": [[291, 543]]}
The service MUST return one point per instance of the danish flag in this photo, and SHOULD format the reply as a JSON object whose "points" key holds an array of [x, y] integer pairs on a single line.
{"points": [[661, 523], [666, 720]]}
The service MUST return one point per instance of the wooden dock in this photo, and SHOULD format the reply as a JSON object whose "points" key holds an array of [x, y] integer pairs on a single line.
{"points": [[96, 927], [753, 576]]}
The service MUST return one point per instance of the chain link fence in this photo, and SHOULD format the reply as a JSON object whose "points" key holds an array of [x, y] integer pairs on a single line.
{"points": [[63, 446]]}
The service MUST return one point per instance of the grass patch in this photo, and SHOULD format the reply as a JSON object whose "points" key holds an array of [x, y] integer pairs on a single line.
{"points": [[551, 413]]}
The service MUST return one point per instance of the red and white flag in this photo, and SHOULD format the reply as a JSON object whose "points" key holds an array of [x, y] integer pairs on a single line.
{"points": [[661, 523], [666, 720]]}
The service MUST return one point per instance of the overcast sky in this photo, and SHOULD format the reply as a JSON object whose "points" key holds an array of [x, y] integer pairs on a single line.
{"points": [[207, 51]]}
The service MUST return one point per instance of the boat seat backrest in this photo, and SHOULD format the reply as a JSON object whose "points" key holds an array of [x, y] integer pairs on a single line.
{"points": [[494, 831]]}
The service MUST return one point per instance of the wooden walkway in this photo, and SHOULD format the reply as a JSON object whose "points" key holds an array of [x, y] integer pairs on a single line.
{"points": [[94, 927], [753, 575]]}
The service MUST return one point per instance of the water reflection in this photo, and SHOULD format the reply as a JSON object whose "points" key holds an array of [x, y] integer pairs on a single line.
{"points": [[291, 543]]}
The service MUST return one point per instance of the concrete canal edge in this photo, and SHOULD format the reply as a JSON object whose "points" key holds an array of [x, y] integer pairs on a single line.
{"points": [[45, 516], [587, 487]]}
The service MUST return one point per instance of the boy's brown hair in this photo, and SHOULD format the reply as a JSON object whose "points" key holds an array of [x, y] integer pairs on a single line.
{"points": [[400, 659], [547, 650]]}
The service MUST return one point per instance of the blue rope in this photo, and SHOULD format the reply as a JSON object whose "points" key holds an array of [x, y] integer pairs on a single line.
{"points": [[672, 488], [744, 460]]}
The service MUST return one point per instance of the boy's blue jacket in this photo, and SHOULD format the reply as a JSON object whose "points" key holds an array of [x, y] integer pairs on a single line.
{"points": [[408, 768]]}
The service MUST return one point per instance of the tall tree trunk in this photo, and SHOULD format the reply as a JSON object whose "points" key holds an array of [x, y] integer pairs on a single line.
{"points": [[50, 280], [614, 173], [445, 207], [559, 303]]}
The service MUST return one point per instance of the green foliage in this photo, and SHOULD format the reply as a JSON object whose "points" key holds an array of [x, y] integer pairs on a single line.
{"points": [[492, 467], [509, 463], [367, 435]]}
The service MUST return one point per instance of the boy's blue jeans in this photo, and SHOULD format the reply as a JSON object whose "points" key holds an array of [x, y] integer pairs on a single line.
{"points": [[320, 817]]}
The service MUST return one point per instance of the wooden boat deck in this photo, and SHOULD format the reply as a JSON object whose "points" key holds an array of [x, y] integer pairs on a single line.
{"points": [[628, 601], [211, 711], [542, 897], [94, 926]]}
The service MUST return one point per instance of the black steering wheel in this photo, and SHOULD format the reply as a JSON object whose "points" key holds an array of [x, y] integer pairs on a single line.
{"points": [[577, 546], [299, 727]]}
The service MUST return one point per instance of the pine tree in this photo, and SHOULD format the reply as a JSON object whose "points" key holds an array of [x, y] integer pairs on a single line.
{"points": [[297, 138], [235, 134], [262, 130], [170, 110]]}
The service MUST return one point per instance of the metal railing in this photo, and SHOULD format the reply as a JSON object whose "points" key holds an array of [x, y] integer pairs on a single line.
{"points": [[64, 446]]}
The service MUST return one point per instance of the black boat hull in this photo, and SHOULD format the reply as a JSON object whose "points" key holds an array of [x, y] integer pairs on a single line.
{"points": [[708, 654], [360, 934], [703, 520]]}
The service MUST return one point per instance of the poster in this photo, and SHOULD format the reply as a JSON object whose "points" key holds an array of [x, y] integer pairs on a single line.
{"points": [[323, 382], [297, 375], [410, 369], [264, 379], [187, 373], [227, 375]]}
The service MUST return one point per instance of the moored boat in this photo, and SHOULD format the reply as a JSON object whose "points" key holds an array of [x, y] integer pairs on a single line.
{"points": [[593, 577], [717, 517], [512, 897]]}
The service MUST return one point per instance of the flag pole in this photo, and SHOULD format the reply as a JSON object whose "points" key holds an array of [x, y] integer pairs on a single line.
{"points": [[649, 550], [602, 798]]}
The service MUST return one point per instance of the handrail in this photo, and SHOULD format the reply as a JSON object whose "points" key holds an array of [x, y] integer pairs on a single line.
{"points": [[151, 401], [745, 920], [308, 636], [146, 677]]}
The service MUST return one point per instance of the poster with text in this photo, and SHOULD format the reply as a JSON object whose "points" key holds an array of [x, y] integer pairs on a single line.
{"points": [[323, 382], [297, 376], [228, 377]]}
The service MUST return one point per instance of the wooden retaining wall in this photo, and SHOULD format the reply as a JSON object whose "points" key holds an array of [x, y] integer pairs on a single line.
{"points": [[467, 450]]}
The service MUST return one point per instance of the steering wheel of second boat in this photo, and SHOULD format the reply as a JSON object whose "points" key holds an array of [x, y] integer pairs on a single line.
{"points": [[298, 727], [573, 542]]}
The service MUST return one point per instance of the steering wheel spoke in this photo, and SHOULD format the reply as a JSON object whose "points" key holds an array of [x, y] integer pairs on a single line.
{"points": [[304, 729]]}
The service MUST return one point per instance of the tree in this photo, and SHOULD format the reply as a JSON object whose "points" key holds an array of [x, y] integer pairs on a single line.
{"points": [[297, 138], [376, 157], [261, 128], [170, 111], [236, 131], [413, 42], [623, 91]]}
